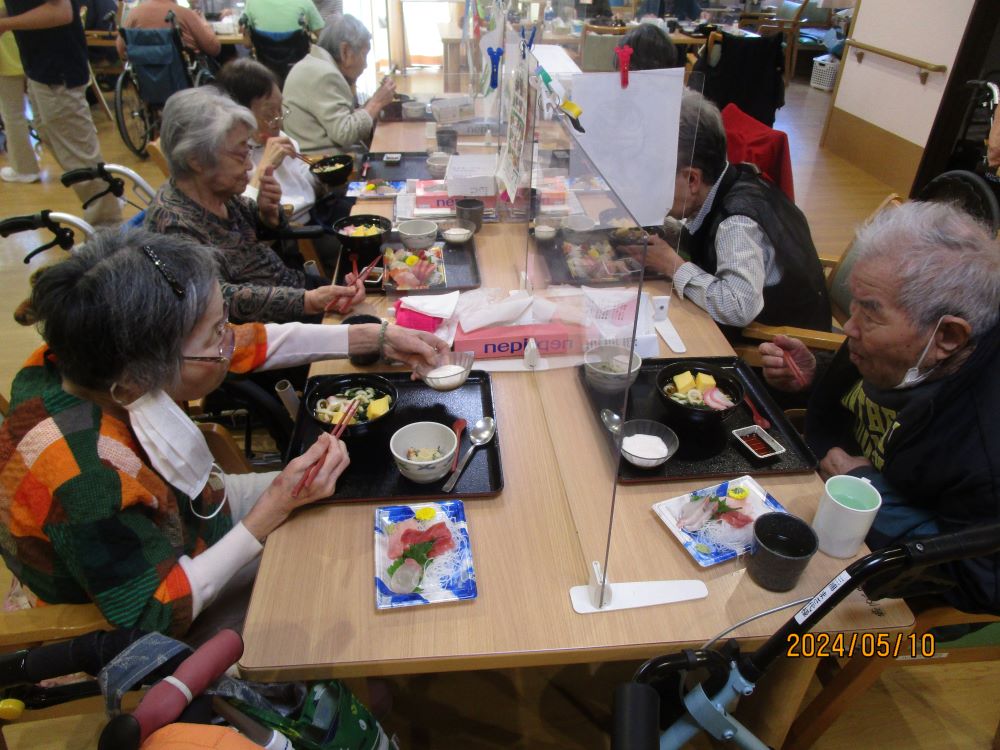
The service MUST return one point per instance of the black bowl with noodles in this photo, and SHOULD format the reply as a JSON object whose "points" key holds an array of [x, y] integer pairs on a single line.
{"points": [[368, 247], [333, 171], [701, 429], [329, 388]]}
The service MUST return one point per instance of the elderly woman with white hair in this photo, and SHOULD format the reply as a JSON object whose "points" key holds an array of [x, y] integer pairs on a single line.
{"points": [[323, 112], [910, 402], [205, 137]]}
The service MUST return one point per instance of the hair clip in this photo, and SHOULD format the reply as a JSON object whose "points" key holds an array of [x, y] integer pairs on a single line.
{"points": [[175, 285]]}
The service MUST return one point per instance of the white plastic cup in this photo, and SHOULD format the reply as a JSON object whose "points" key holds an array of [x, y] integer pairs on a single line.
{"points": [[846, 512], [660, 305]]}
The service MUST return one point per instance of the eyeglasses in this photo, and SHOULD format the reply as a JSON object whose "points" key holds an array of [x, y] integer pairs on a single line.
{"points": [[227, 342], [275, 120]]}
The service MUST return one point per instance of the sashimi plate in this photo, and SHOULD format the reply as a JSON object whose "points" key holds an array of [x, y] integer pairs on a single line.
{"points": [[422, 555], [720, 538]]}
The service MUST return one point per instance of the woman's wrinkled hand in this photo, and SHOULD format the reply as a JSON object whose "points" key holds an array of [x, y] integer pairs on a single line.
{"points": [[838, 461], [339, 299], [413, 347], [269, 198], [776, 369], [288, 492], [275, 151]]}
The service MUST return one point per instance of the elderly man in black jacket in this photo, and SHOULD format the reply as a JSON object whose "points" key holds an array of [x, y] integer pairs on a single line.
{"points": [[912, 400], [751, 255]]}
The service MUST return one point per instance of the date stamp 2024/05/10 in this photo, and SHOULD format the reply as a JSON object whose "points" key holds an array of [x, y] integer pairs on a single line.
{"points": [[875, 645]]}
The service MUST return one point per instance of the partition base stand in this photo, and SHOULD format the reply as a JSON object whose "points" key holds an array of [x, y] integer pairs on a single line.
{"points": [[587, 599]]}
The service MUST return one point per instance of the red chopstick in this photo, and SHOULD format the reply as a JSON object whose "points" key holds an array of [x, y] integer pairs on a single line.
{"points": [[791, 364], [310, 475], [338, 302], [348, 416]]}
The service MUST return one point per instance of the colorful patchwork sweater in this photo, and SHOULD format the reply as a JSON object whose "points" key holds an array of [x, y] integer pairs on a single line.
{"points": [[83, 517]]}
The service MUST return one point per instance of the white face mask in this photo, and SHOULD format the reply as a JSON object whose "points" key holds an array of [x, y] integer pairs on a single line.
{"points": [[174, 444], [913, 376]]}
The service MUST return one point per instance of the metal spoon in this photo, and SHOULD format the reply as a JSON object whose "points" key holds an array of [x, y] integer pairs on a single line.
{"points": [[612, 421], [480, 433]]}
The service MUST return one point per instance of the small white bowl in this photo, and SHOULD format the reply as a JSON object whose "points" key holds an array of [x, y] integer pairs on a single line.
{"points": [[457, 235], [414, 110], [608, 370], [437, 165], [544, 232], [423, 435], [648, 427], [417, 234], [447, 381]]}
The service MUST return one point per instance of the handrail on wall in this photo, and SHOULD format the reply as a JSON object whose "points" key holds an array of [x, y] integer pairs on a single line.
{"points": [[923, 68]]}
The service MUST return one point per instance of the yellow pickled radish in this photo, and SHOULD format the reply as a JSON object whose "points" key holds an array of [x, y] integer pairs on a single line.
{"points": [[425, 514], [738, 493]]}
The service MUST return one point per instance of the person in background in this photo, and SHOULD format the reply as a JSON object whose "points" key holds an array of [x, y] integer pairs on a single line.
{"points": [[255, 87], [22, 163], [910, 401], [323, 112], [197, 34], [993, 144], [651, 48], [281, 16], [687, 10], [328, 8], [134, 515], [205, 138], [53, 51], [751, 253]]}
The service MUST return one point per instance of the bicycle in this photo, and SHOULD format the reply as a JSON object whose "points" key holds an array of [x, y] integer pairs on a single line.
{"points": [[658, 685], [158, 66]]}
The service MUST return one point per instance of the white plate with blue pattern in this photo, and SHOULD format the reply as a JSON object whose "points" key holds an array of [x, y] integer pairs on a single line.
{"points": [[705, 552], [436, 570]]}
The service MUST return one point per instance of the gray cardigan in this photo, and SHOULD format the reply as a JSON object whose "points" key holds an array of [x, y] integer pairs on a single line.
{"points": [[322, 110]]}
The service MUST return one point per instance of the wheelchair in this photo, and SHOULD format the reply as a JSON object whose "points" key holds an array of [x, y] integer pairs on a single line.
{"points": [[675, 697], [158, 66], [278, 51]]}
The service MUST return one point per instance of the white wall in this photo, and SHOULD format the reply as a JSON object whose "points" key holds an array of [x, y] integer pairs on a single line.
{"points": [[888, 93]]}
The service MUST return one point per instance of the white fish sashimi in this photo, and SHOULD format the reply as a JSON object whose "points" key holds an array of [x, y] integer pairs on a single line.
{"points": [[695, 513]]}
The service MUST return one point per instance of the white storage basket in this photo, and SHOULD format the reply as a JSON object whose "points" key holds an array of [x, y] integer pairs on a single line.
{"points": [[824, 73]]}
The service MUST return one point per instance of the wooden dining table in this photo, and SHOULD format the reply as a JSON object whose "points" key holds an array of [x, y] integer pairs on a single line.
{"points": [[313, 613]]}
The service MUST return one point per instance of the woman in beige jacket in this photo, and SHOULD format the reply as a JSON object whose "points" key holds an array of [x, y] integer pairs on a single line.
{"points": [[323, 112]]}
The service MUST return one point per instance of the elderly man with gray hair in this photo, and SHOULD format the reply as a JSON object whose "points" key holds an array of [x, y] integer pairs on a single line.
{"points": [[911, 401], [745, 252], [323, 112]]}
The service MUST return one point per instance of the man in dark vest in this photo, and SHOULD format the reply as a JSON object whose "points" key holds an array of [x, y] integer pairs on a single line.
{"points": [[751, 254]]}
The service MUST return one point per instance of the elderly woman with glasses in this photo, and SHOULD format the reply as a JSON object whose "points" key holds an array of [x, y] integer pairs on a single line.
{"points": [[320, 91], [255, 87], [108, 491], [206, 139]]}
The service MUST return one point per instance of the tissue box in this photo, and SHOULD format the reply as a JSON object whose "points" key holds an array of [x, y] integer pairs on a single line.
{"points": [[435, 194], [552, 191], [496, 342], [472, 175]]}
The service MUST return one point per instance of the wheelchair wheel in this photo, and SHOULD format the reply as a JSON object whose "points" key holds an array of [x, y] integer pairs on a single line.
{"points": [[203, 76], [131, 115]]}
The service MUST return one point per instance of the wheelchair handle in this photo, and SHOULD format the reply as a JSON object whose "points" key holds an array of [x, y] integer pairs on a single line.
{"points": [[977, 542], [16, 224], [84, 174]]}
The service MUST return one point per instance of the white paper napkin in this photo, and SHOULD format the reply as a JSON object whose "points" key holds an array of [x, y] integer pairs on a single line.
{"points": [[435, 305]]}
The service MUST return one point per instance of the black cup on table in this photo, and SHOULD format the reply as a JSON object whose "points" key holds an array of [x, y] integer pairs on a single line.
{"points": [[783, 544], [362, 360], [447, 140], [470, 209]]}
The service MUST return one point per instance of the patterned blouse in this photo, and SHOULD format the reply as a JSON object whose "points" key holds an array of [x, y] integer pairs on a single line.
{"points": [[255, 281]]}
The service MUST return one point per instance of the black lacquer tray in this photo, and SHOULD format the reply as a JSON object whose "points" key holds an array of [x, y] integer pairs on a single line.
{"points": [[460, 265], [412, 166], [373, 475], [644, 403]]}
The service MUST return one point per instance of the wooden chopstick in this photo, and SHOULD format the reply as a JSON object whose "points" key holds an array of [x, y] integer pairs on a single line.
{"points": [[791, 365], [300, 157], [313, 470]]}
